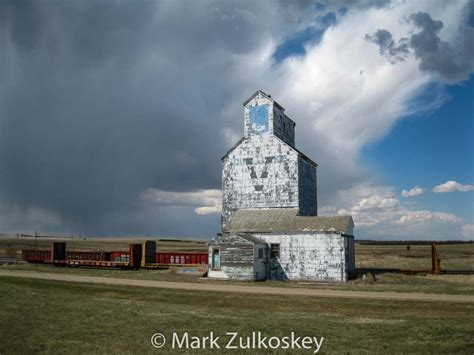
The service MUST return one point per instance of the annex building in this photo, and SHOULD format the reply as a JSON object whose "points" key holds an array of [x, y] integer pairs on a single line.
{"points": [[270, 226]]}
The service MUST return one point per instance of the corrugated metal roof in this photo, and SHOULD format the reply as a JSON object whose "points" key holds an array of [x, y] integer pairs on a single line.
{"points": [[281, 220]]}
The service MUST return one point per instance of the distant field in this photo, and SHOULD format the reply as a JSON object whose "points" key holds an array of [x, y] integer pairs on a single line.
{"points": [[48, 317], [460, 256], [453, 256]]}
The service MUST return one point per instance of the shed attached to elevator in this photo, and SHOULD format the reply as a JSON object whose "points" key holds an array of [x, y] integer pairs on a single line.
{"points": [[238, 256], [292, 247]]}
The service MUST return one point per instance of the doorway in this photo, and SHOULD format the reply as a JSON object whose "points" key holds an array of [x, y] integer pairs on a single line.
{"points": [[216, 259], [274, 261]]}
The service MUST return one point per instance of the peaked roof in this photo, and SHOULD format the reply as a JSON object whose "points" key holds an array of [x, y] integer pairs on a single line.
{"points": [[281, 220], [304, 156], [264, 94]]}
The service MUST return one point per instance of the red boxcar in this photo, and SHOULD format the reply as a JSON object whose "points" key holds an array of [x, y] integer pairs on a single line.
{"points": [[173, 258], [36, 256], [162, 257]]}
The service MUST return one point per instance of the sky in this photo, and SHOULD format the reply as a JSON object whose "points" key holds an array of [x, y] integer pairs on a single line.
{"points": [[114, 115]]}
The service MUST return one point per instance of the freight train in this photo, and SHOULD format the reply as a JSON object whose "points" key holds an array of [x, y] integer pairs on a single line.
{"points": [[138, 256]]}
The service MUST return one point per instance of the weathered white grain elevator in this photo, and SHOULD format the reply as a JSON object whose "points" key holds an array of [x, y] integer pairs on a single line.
{"points": [[270, 227]]}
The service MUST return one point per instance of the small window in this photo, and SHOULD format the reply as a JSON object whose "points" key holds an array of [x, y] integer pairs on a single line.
{"points": [[260, 253], [275, 250]]}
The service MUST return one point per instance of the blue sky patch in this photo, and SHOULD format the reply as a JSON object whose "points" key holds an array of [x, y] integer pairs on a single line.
{"points": [[294, 46]]}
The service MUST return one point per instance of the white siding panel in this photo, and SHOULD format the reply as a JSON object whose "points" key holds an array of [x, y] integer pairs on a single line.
{"points": [[311, 256]]}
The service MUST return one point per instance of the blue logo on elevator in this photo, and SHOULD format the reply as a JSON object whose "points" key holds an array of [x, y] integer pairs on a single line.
{"points": [[259, 118]]}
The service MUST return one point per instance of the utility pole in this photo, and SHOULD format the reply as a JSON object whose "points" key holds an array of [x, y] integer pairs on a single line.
{"points": [[36, 235]]}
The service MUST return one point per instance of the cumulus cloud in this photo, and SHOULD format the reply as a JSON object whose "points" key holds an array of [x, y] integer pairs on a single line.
{"points": [[376, 203], [203, 201], [378, 213], [423, 216], [327, 210], [416, 191], [452, 186], [467, 231], [452, 61]]}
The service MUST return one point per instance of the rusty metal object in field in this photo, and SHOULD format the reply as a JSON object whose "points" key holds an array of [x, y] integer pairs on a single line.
{"points": [[435, 260]]}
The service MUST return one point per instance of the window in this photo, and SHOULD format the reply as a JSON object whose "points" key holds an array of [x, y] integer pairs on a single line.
{"points": [[275, 250], [260, 253]]}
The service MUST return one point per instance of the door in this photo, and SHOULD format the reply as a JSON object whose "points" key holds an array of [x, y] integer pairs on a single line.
{"points": [[274, 262], [216, 259], [135, 255]]}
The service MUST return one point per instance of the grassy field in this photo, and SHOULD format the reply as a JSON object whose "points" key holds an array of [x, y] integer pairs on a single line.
{"points": [[49, 317]]}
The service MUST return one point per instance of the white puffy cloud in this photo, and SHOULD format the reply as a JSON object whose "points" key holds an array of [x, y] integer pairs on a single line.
{"points": [[326, 210], [377, 212], [423, 216], [467, 231], [416, 191], [344, 95], [340, 82], [209, 209], [452, 186], [376, 203], [203, 201]]}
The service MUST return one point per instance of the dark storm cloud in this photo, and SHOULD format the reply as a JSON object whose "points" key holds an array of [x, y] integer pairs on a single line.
{"points": [[102, 100], [353, 4], [387, 46], [451, 61]]}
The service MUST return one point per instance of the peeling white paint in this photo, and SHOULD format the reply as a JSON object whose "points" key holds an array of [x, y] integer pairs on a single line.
{"points": [[265, 170]]}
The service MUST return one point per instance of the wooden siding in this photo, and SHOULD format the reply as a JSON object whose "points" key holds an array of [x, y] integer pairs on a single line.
{"points": [[237, 257]]}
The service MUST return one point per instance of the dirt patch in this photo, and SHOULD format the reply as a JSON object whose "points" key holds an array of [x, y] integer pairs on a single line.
{"points": [[265, 290]]}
